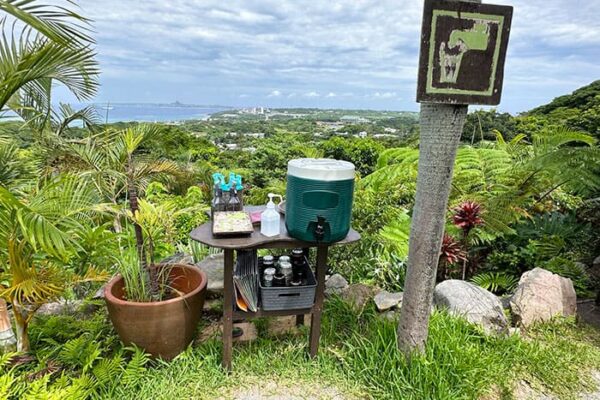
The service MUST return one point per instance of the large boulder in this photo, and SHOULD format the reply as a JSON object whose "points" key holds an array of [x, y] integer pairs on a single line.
{"points": [[542, 295], [472, 302]]}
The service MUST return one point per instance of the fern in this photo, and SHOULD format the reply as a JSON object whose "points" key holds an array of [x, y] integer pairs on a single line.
{"points": [[396, 235], [7, 381], [134, 372], [108, 370], [80, 352], [496, 282]]}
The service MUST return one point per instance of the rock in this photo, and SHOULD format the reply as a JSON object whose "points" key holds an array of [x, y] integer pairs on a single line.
{"points": [[596, 262], [358, 295], [335, 284], [392, 315], [213, 268], [59, 307], [178, 258], [524, 391], [99, 293], [542, 295], [286, 325], [386, 300], [505, 300], [472, 302]]}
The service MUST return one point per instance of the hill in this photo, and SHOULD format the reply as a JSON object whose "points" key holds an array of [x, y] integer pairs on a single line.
{"points": [[579, 110]]}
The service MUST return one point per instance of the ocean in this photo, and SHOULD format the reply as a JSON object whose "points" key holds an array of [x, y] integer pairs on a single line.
{"points": [[121, 112]]}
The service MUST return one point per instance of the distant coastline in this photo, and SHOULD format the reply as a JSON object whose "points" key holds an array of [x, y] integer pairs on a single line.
{"points": [[155, 112]]}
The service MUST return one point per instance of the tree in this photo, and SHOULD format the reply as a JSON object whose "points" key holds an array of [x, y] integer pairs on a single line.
{"points": [[53, 46], [36, 239], [441, 128], [114, 163]]}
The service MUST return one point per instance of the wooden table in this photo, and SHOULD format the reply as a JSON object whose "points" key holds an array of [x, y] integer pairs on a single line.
{"points": [[255, 241]]}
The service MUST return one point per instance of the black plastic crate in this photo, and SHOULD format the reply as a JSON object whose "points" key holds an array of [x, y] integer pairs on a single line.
{"points": [[289, 297]]}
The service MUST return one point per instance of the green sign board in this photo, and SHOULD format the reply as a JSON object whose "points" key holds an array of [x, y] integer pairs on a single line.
{"points": [[463, 47]]}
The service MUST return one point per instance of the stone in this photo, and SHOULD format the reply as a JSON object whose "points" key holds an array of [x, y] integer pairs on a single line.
{"points": [[178, 258], [596, 262], [358, 295], [60, 307], [505, 300], [99, 293], [391, 315], [514, 331], [472, 302], [542, 295], [277, 326], [524, 391], [215, 329], [213, 268], [335, 284], [385, 300]]}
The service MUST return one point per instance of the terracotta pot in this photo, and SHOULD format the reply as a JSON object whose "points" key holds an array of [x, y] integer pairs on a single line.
{"points": [[163, 328]]}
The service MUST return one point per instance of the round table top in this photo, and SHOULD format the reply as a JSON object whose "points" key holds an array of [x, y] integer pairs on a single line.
{"points": [[203, 234]]}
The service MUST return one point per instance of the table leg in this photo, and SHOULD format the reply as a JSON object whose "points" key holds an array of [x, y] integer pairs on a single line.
{"points": [[227, 309], [315, 328]]}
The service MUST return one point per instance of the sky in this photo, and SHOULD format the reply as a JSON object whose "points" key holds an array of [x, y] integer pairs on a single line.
{"points": [[327, 54]]}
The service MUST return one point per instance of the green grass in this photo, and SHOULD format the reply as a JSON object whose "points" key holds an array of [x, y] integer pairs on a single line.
{"points": [[358, 356]]}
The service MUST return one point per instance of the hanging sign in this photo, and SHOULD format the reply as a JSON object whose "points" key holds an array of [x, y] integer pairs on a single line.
{"points": [[463, 47]]}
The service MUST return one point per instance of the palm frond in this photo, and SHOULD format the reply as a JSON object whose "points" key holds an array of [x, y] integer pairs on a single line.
{"points": [[57, 23], [27, 64]]}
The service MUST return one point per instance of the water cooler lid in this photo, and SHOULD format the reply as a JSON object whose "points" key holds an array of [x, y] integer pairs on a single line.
{"points": [[321, 169]]}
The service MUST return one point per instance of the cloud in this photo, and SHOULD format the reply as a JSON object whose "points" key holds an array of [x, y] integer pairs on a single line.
{"points": [[212, 51], [311, 94], [331, 94], [385, 95]]}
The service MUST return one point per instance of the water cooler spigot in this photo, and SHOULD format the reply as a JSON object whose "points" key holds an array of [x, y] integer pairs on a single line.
{"points": [[320, 229]]}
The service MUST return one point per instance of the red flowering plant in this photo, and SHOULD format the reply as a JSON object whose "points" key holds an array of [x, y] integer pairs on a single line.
{"points": [[466, 216], [450, 254]]}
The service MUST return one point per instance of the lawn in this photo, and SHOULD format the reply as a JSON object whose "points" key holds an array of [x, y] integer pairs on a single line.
{"points": [[82, 357]]}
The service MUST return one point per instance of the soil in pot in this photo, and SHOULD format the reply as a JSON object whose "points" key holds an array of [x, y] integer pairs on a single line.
{"points": [[163, 328]]}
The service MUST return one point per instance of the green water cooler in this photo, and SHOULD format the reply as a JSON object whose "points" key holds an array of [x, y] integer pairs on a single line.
{"points": [[319, 194]]}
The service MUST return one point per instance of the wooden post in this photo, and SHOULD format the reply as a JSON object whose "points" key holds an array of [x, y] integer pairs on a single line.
{"points": [[471, 73], [441, 127]]}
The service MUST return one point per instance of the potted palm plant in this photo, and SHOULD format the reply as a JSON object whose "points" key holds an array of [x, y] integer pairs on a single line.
{"points": [[154, 306]]}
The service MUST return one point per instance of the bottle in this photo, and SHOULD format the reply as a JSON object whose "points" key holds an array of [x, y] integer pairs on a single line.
{"points": [[218, 204], [279, 280], [225, 190], [286, 269], [283, 259], [269, 219], [240, 190], [234, 202]]}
